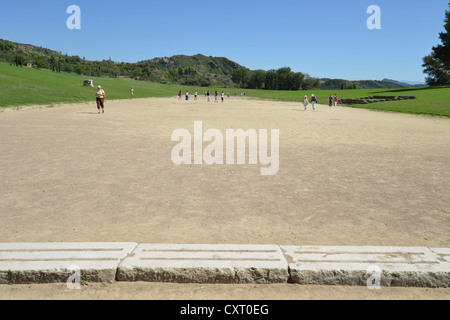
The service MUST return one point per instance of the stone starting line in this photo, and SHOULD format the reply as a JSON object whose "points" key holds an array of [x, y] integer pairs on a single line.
{"points": [[24, 263]]}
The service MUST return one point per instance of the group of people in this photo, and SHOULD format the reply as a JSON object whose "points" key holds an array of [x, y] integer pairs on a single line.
{"points": [[335, 99], [101, 96], [314, 101], [207, 95]]}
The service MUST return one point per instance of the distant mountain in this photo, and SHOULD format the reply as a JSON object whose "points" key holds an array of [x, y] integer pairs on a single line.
{"points": [[340, 84], [406, 84]]}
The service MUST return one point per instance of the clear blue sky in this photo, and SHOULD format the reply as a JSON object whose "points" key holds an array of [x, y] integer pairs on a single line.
{"points": [[325, 38]]}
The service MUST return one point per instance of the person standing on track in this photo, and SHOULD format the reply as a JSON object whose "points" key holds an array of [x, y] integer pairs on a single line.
{"points": [[336, 100], [101, 96], [305, 102], [313, 102]]}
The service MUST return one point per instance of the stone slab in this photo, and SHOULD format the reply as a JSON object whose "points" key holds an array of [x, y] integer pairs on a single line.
{"points": [[395, 266], [22, 263], [443, 253], [205, 264], [323, 265]]}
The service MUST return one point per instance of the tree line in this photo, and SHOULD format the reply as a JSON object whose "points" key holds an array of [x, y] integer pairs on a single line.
{"points": [[281, 79]]}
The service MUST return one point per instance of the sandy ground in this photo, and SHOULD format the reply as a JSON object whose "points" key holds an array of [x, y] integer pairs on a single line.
{"points": [[347, 176], [200, 292]]}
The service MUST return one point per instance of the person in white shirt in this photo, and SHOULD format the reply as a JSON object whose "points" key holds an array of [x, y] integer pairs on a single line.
{"points": [[101, 96], [313, 101], [132, 93]]}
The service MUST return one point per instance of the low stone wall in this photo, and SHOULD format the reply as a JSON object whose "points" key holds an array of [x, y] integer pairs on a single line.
{"points": [[375, 99]]}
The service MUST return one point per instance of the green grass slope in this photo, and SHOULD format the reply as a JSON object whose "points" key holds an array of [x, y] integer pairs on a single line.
{"points": [[26, 86]]}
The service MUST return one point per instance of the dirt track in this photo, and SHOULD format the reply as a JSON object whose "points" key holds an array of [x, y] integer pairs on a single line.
{"points": [[346, 177]]}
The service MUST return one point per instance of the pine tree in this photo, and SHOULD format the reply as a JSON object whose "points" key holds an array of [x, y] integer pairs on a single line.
{"points": [[437, 64]]}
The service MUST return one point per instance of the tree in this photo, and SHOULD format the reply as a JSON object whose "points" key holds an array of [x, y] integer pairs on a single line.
{"points": [[353, 85], [58, 65], [79, 69], [7, 46], [443, 51], [67, 68], [271, 80], [438, 75], [41, 64], [437, 64], [241, 76], [310, 83], [297, 81], [257, 79], [53, 62], [284, 78], [19, 60]]}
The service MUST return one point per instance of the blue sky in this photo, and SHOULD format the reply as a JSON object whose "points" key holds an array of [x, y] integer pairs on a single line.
{"points": [[324, 38]]}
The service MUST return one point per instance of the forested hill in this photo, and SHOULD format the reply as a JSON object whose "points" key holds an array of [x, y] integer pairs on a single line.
{"points": [[197, 70], [190, 70], [218, 69], [340, 84]]}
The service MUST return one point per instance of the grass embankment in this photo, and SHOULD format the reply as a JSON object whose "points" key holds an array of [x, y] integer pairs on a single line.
{"points": [[26, 86], [430, 100]]}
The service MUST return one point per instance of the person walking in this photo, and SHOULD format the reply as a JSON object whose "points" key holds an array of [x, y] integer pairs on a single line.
{"points": [[195, 95], [100, 97], [208, 95], [216, 97], [336, 100], [305, 102], [331, 100], [223, 96], [131, 93], [179, 95], [313, 101], [187, 95]]}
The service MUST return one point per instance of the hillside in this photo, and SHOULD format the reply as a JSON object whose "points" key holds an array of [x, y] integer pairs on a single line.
{"points": [[406, 85], [185, 70], [213, 69], [340, 84], [197, 70]]}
